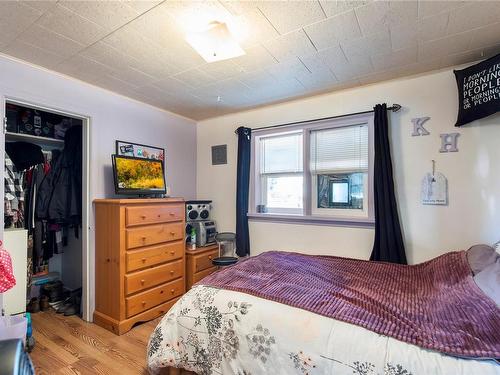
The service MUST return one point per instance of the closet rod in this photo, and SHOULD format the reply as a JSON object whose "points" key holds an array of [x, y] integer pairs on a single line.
{"points": [[394, 108]]}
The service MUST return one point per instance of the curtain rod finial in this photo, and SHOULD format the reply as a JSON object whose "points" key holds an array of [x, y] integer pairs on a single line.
{"points": [[396, 107]]}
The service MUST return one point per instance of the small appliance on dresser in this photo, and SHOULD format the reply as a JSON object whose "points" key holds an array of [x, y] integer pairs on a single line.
{"points": [[198, 216]]}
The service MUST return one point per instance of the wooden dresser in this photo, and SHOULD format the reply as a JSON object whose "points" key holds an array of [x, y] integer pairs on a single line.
{"points": [[199, 263], [139, 260]]}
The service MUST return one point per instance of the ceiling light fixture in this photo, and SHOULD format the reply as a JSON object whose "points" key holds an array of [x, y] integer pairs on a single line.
{"points": [[216, 43]]}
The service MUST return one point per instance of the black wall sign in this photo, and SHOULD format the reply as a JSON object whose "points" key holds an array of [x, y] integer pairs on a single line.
{"points": [[478, 90]]}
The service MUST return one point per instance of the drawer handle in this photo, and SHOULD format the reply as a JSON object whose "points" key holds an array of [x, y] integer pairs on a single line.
{"points": [[159, 215], [210, 257], [143, 239], [143, 216], [143, 303], [172, 233], [172, 213], [172, 291], [172, 253], [143, 260], [142, 281], [161, 291], [171, 272]]}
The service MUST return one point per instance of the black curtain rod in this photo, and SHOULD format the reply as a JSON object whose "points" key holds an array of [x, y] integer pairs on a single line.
{"points": [[394, 108]]}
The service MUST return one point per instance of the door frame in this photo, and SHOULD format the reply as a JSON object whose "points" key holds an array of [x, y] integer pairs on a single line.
{"points": [[86, 121]]}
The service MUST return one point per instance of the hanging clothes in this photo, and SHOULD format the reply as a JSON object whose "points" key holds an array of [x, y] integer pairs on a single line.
{"points": [[60, 196], [14, 195]]}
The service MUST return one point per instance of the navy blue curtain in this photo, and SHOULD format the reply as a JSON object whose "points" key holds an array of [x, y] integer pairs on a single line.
{"points": [[388, 245], [242, 191]]}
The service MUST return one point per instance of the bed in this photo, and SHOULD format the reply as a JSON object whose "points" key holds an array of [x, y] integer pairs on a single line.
{"points": [[287, 313]]}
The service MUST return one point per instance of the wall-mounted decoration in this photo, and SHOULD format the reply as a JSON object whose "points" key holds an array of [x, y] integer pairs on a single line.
{"points": [[418, 126], [139, 151], [449, 142], [434, 189], [478, 90], [219, 154]]}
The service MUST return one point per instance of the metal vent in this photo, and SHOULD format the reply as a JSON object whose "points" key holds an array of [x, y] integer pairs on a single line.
{"points": [[219, 154]]}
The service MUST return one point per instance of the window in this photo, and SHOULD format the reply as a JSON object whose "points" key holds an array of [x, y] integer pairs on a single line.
{"points": [[318, 170], [281, 173]]}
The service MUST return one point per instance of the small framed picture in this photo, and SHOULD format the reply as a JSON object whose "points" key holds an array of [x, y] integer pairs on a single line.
{"points": [[139, 151]]}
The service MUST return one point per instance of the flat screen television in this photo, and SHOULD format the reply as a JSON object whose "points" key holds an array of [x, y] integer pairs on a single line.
{"points": [[138, 175]]}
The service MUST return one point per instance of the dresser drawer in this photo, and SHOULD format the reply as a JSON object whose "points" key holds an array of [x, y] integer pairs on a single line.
{"points": [[154, 276], [153, 234], [204, 261], [202, 274], [151, 298], [153, 214], [151, 256]]}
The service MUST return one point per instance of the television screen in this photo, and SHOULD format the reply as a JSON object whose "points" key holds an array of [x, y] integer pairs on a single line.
{"points": [[138, 175]]}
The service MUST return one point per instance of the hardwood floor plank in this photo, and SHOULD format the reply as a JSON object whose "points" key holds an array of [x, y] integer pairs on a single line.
{"points": [[70, 346]]}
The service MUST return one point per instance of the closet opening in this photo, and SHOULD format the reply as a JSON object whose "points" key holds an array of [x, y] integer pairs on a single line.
{"points": [[46, 208]]}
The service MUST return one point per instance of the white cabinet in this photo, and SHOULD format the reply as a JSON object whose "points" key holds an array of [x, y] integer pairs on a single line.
{"points": [[15, 242]]}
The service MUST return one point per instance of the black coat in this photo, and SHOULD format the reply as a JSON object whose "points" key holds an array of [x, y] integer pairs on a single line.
{"points": [[60, 194]]}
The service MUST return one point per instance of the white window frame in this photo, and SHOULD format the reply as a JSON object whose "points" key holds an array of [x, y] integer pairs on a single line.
{"points": [[311, 215]]}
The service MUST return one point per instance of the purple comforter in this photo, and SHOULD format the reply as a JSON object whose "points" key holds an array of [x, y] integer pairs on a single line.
{"points": [[435, 305]]}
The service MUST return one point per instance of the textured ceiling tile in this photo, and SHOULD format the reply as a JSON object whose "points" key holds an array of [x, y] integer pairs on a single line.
{"points": [[428, 8], [287, 16], [195, 78], [50, 41], [66, 22], [40, 5], [276, 90], [220, 70], [109, 83], [352, 70], [441, 47], [133, 76], [76, 64], [369, 45], [486, 36], [255, 58], [462, 58], [477, 14], [257, 78], [142, 6], [333, 30], [107, 55], [237, 8], [258, 28], [394, 59], [333, 56], [290, 45], [317, 80], [33, 54], [108, 14], [334, 7], [288, 69], [172, 85], [385, 14], [15, 17], [428, 28]]}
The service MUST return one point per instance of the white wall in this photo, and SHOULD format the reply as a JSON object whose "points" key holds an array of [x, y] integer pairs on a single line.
{"points": [[112, 117], [473, 213]]}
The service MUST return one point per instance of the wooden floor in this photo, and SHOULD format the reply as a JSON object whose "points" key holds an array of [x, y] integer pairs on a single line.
{"points": [[68, 345]]}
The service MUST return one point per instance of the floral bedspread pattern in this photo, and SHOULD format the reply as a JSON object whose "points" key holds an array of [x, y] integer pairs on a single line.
{"points": [[212, 331]]}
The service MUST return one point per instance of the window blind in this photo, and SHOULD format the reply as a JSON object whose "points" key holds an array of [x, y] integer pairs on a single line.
{"points": [[343, 149], [281, 154]]}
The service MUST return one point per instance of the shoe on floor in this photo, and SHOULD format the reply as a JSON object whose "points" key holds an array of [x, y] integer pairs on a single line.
{"points": [[33, 305], [74, 309], [65, 305], [44, 303]]}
